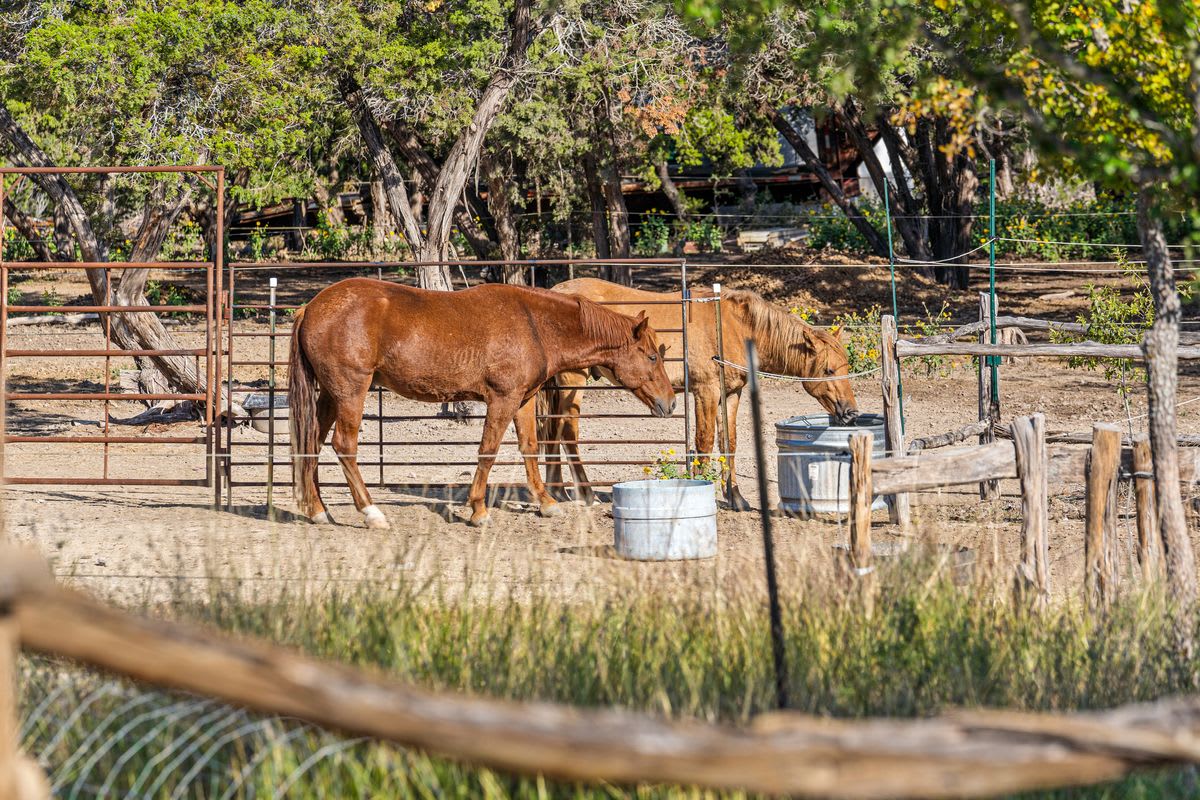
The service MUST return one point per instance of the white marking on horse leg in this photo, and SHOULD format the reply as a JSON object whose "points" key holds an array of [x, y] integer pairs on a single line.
{"points": [[322, 519], [375, 518]]}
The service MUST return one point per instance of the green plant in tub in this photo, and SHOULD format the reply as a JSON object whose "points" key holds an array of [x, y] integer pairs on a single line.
{"points": [[667, 468]]}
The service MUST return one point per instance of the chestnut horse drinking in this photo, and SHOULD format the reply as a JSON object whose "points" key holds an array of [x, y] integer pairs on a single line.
{"points": [[786, 345], [493, 343]]}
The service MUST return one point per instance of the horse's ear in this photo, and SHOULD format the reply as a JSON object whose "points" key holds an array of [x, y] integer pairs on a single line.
{"points": [[639, 327]]}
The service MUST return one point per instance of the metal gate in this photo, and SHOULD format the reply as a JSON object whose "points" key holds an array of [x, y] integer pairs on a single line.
{"points": [[167, 451], [392, 442]]}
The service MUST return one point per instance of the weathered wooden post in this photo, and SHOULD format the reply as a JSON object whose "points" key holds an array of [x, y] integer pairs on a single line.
{"points": [[861, 445], [988, 410], [898, 508], [1149, 549], [1100, 543], [8, 705], [1033, 571]]}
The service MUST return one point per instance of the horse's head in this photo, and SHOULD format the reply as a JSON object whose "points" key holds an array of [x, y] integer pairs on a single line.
{"points": [[639, 366], [830, 361]]}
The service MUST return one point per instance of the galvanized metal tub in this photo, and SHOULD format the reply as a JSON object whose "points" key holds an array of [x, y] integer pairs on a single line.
{"points": [[814, 462], [260, 414], [665, 520]]}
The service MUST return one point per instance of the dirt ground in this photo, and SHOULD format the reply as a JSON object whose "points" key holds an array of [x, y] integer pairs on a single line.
{"points": [[140, 543]]}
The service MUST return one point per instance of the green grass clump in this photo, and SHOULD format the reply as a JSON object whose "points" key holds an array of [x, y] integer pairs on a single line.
{"points": [[927, 644]]}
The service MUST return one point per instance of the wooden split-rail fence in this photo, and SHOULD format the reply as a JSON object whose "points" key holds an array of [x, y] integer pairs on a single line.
{"points": [[958, 754], [1042, 468]]}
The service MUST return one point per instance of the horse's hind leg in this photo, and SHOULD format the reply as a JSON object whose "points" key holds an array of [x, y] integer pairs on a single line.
{"points": [[326, 412], [567, 403], [345, 444], [526, 424]]}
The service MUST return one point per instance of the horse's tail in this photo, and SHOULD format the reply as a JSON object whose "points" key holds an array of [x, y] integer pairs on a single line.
{"points": [[302, 421]]}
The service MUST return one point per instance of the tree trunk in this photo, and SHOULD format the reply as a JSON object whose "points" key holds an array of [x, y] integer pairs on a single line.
{"points": [[295, 237], [950, 185], [591, 175], [500, 206], [382, 162], [1160, 345], [874, 240], [133, 331], [674, 196], [910, 223], [381, 224], [464, 216], [465, 151], [157, 219], [25, 226], [619, 237], [63, 243], [327, 193]]}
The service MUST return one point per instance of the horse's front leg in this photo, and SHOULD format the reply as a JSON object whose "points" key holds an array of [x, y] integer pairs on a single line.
{"points": [[500, 412], [732, 493], [526, 424]]}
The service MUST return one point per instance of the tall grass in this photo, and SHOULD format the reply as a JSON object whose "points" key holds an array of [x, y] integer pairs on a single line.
{"points": [[926, 644]]}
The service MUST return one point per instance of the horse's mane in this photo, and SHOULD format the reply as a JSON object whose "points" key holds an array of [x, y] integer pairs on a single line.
{"points": [[781, 337], [602, 323]]}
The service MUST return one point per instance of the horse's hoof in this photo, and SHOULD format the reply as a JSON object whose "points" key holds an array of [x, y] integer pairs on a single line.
{"points": [[480, 520], [551, 510], [375, 518], [322, 519], [738, 503], [587, 498]]}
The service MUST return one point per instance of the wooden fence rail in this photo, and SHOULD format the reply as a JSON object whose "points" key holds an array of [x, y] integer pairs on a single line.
{"points": [[936, 469], [960, 754], [906, 349]]}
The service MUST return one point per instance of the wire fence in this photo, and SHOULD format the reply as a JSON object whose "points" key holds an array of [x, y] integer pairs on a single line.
{"points": [[99, 737]]}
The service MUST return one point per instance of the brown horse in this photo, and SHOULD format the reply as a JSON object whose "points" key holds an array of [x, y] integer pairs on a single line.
{"points": [[786, 345], [493, 343]]}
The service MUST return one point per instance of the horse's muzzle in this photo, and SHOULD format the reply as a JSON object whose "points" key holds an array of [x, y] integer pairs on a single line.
{"points": [[662, 409], [844, 413]]}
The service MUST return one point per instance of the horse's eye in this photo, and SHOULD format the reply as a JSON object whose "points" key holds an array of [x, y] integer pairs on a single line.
{"points": [[653, 358]]}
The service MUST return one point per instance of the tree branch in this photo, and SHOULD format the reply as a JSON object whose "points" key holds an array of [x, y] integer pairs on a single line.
{"points": [[27, 228]]}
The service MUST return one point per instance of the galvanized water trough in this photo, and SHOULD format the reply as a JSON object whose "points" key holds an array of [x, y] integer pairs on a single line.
{"points": [[814, 462]]}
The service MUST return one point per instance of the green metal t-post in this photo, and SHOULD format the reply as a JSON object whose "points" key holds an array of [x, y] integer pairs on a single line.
{"points": [[887, 210], [993, 361]]}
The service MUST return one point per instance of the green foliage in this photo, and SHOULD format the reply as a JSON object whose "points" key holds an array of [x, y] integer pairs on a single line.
{"points": [[14, 295], [1111, 318], [926, 645], [705, 233], [653, 235], [829, 229], [257, 241], [860, 336], [51, 298], [933, 323], [185, 241], [331, 240], [16, 247], [667, 468]]}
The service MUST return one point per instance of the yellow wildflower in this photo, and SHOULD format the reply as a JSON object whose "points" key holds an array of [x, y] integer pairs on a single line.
{"points": [[646, 470], [671, 452], [721, 459]]}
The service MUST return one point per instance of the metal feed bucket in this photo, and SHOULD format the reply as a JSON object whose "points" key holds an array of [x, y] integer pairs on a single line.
{"points": [[814, 462], [665, 520], [257, 405]]}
